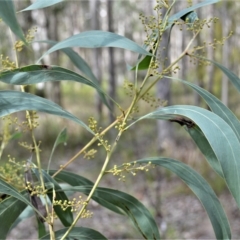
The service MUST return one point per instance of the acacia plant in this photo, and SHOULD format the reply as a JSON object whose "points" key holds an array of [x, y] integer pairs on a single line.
{"points": [[216, 132]]}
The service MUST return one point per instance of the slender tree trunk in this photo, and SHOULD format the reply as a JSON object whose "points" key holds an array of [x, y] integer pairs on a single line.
{"points": [[225, 53], [112, 79], [164, 128], [210, 54], [53, 89], [97, 53]]}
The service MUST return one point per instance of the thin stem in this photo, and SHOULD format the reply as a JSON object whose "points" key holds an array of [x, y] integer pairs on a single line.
{"points": [[94, 139], [101, 172], [171, 65]]}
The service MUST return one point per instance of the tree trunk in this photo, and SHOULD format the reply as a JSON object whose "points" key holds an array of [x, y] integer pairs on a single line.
{"points": [[164, 128], [53, 89], [97, 53], [112, 79], [225, 53]]}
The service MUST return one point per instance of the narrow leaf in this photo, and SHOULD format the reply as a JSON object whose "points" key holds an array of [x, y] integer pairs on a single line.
{"points": [[41, 229], [77, 233], [77, 180], [13, 101], [38, 4], [135, 210], [216, 106], [96, 39], [7, 13], [10, 209], [66, 216], [219, 134], [9, 190], [76, 59], [82, 65], [232, 76], [206, 149], [33, 74], [202, 190], [186, 11], [61, 138]]}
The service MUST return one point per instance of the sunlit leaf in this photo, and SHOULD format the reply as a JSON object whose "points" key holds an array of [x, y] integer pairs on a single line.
{"points": [[14, 101], [38, 4], [218, 133], [201, 189], [7, 13], [96, 39], [77, 233]]}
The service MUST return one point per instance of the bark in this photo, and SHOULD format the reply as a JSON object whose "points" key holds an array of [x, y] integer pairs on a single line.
{"points": [[225, 53], [53, 89], [112, 78], [97, 52], [164, 128]]}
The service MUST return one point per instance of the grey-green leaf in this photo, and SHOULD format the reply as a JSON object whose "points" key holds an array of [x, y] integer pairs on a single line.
{"points": [[96, 39], [9, 190], [82, 65], [65, 216], [61, 138], [14, 101], [235, 80], [186, 11], [33, 74], [38, 4], [10, 209], [134, 209], [77, 233], [77, 180], [201, 189], [7, 13], [218, 133], [216, 106]]}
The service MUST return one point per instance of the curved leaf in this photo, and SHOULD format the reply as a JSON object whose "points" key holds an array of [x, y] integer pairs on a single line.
{"points": [[9, 190], [232, 76], [10, 209], [13, 101], [77, 233], [33, 74], [7, 13], [82, 65], [96, 39], [66, 216], [76, 180], [186, 11], [61, 138], [202, 190], [135, 210], [77, 60], [206, 149], [38, 4], [219, 134], [216, 106]]}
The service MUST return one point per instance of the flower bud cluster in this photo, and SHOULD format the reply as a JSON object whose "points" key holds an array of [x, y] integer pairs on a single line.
{"points": [[132, 168]]}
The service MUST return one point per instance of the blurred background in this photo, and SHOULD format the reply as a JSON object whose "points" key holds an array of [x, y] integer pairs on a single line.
{"points": [[177, 211]]}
